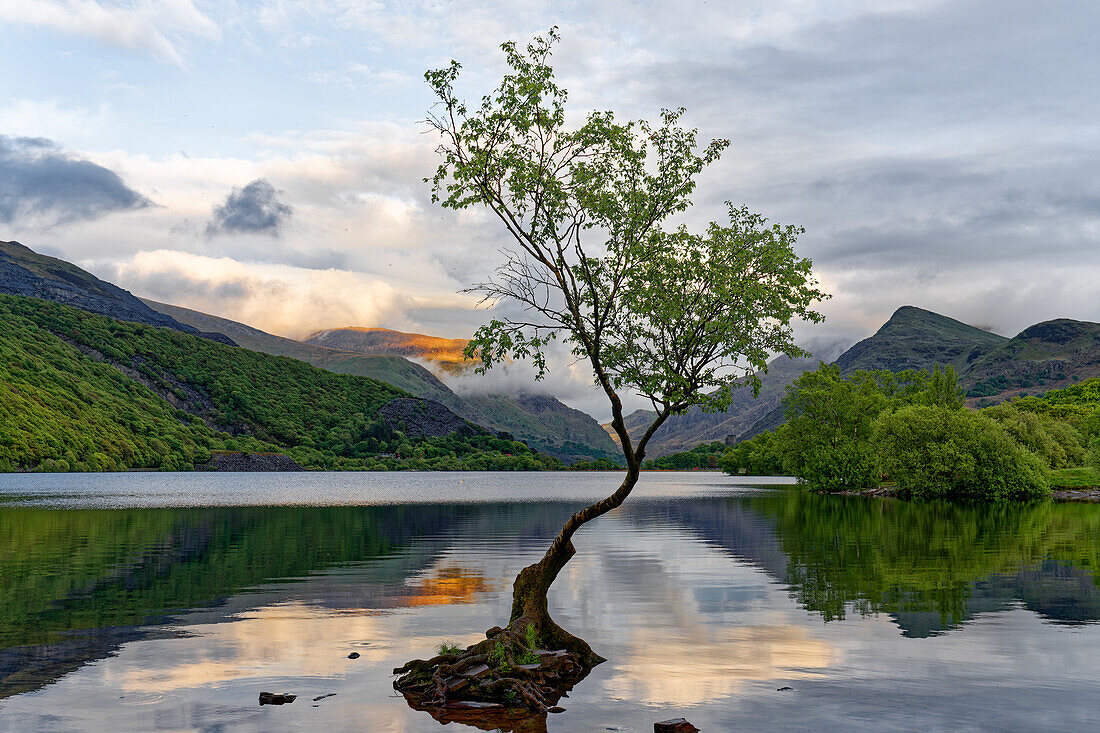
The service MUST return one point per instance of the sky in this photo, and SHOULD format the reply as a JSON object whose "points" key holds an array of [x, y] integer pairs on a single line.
{"points": [[263, 161]]}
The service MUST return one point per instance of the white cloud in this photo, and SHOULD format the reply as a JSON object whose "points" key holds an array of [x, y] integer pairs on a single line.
{"points": [[153, 26], [284, 300]]}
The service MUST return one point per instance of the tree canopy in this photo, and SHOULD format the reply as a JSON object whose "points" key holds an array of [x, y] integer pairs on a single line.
{"points": [[656, 309]]}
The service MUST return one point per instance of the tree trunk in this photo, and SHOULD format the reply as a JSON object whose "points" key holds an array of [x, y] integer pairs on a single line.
{"points": [[531, 663], [529, 592]]}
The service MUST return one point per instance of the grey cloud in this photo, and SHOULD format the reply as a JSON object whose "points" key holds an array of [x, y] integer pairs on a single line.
{"points": [[44, 185], [254, 209]]}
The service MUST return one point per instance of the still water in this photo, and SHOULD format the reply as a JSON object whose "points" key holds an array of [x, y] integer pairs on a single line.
{"points": [[167, 602]]}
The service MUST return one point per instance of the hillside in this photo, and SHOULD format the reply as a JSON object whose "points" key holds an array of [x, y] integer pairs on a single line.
{"points": [[1042, 357], [25, 272], [446, 354], [395, 370], [541, 421], [87, 392], [914, 338], [545, 423], [695, 427], [991, 368]]}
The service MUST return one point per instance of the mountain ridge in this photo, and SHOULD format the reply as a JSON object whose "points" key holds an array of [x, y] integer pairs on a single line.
{"points": [[28, 273], [552, 428]]}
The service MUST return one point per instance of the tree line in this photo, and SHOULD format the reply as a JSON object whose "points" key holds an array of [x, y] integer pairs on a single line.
{"points": [[911, 428]]}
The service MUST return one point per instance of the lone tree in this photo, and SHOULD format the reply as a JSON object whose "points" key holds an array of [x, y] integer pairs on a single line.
{"points": [[680, 318]]}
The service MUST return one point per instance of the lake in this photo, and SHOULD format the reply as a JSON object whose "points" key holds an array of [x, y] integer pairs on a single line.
{"points": [[168, 602]]}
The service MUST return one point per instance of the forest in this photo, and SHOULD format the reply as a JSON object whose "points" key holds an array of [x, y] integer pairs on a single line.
{"points": [[89, 393]]}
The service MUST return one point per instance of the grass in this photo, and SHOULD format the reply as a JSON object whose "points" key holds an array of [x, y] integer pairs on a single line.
{"points": [[448, 647], [1074, 478]]}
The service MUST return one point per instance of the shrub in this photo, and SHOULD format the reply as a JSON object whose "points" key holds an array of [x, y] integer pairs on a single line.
{"points": [[1053, 440], [755, 457], [933, 452]]}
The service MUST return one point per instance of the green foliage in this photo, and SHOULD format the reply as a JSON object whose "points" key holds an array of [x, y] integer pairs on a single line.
{"points": [[660, 311], [759, 456], [61, 410], [1083, 477], [531, 637], [1079, 405], [596, 464], [526, 654], [937, 452], [1057, 443], [448, 647], [827, 443], [498, 655], [703, 456], [80, 392], [844, 431]]}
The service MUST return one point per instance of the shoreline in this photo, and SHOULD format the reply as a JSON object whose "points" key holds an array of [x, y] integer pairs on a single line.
{"points": [[1088, 495]]}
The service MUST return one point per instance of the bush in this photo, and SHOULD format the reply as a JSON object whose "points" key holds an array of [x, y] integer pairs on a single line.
{"points": [[1053, 440], [932, 452], [755, 457]]}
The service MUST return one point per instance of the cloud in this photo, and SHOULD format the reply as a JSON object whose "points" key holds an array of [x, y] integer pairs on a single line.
{"points": [[43, 185], [154, 26], [938, 154], [254, 209], [284, 300]]}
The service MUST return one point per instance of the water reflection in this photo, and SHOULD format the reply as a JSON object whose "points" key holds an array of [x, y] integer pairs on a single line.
{"points": [[176, 618]]}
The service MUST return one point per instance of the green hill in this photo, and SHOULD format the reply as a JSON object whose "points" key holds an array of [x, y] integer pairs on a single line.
{"points": [[1045, 356], [395, 370], [541, 421], [914, 338], [85, 392], [25, 272]]}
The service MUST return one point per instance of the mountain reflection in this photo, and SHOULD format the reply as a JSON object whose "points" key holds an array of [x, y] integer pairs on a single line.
{"points": [[75, 585]]}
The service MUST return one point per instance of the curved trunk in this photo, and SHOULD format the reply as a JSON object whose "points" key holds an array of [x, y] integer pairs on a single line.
{"points": [[529, 592]]}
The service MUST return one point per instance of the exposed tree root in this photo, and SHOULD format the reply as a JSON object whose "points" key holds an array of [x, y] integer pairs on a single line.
{"points": [[510, 680]]}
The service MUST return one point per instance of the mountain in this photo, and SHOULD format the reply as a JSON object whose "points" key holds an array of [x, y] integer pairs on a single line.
{"points": [[541, 421], [915, 338], [991, 368], [1048, 355], [545, 423], [395, 370], [88, 392], [25, 272], [444, 353], [685, 431]]}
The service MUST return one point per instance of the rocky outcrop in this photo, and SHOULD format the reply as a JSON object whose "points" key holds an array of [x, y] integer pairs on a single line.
{"points": [[418, 418], [236, 461]]}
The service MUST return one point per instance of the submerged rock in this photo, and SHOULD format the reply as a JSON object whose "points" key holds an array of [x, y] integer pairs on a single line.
{"points": [[676, 725]]}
